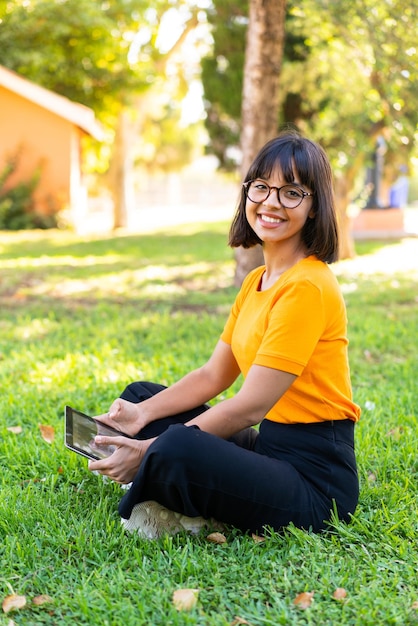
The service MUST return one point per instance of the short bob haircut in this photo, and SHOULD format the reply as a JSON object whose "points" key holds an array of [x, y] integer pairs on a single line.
{"points": [[291, 153]]}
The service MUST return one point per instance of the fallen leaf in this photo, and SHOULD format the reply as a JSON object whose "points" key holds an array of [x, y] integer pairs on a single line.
{"points": [[185, 599], [16, 430], [371, 477], [395, 433], [47, 432], [42, 599], [257, 538], [216, 538], [339, 594], [415, 605], [304, 600], [239, 620], [12, 602]]}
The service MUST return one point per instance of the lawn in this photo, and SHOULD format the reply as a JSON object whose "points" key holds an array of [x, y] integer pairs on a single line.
{"points": [[82, 317]]}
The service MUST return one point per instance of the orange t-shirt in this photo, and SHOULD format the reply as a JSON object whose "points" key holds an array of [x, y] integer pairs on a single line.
{"points": [[299, 325]]}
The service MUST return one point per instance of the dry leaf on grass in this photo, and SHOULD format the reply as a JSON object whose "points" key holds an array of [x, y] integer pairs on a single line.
{"points": [[42, 599], [216, 538], [239, 620], [13, 602], [16, 430], [395, 433], [339, 594], [47, 432], [185, 599], [415, 605], [304, 600], [257, 538]]}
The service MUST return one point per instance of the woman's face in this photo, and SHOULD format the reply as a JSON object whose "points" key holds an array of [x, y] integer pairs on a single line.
{"points": [[272, 219]]}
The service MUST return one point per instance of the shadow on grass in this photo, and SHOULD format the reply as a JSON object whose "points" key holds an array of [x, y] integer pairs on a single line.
{"points": [[196, 240]]}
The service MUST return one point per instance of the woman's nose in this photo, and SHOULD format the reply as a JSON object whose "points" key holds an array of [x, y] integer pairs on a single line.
{"points": [[273, 199]]}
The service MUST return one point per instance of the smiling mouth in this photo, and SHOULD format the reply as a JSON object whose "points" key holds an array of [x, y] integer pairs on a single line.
{"points": [[269, 219]]}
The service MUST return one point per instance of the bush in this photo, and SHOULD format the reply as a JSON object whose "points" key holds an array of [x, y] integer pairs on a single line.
{"points": [[17, 211]]}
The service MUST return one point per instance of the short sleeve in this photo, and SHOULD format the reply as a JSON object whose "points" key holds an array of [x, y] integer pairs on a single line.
{"points": [[295, 325], [248, 284]]}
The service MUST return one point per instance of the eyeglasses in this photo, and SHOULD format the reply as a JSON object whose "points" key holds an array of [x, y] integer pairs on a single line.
{"points": [[289, 196]]}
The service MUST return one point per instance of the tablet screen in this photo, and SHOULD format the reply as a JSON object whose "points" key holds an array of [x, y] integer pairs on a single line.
{"points": [[80, 431]]}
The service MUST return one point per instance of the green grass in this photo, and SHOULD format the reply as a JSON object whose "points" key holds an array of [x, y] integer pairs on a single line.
{"points": [[82, 317]]}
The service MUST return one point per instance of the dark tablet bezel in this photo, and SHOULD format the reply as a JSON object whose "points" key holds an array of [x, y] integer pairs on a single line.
{"points": [[106, 430]]}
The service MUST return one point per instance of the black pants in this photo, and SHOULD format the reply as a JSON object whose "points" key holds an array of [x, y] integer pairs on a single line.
{"points": [[284, 473]]}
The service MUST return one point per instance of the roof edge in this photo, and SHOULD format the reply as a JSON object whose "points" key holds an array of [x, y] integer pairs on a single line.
{"points": [[78, 114]]}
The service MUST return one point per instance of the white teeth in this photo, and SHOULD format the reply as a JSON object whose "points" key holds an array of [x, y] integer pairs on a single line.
{"points": [[271, 220]]}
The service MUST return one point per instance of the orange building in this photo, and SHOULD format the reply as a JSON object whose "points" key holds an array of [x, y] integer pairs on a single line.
{"points": [[45, 130]]}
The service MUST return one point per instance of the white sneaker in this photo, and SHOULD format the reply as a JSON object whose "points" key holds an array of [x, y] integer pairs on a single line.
{"points": [[152, 520]]}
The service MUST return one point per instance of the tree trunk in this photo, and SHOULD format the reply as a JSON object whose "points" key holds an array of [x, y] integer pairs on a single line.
{"points": [[342, 194], [120, 172], [260, 99]]}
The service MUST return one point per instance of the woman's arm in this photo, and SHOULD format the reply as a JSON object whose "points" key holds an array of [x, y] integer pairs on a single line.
{"points": [[197, 387], [194, 389], [262, 388]]}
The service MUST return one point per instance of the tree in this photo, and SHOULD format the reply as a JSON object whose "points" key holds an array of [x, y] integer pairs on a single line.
{"points": [[77, 48], [224, 66], [260, 98], [156, 113], [102, 54], [349, 74], [245, 114], [360, 82]]}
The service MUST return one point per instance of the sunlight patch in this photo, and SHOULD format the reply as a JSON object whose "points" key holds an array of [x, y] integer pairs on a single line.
{"points": [[153, 279], [388, 260], [35, 328]]}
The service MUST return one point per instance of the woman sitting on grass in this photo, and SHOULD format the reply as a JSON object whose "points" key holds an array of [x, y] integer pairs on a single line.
{"points": [[286, 333]]}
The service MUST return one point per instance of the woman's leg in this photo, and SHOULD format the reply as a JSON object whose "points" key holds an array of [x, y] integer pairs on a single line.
{"points": [[288, 473], [198, 474], [140, 391]]}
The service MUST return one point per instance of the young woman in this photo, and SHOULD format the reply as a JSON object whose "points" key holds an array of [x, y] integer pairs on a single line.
{"points": [[286, 333]]}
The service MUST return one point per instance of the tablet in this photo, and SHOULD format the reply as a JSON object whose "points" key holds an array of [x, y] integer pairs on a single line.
{"points": [[80, 431]]}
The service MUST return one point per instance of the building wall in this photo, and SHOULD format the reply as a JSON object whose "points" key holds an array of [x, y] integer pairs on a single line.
{"points": [[44, 140]]}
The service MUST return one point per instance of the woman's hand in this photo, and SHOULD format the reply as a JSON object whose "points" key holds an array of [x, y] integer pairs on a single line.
{"points": [[124, 416], [123, 464]]}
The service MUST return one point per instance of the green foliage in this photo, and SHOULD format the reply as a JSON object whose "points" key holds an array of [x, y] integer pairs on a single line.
{"points": [[16, 203], [222, 77], [362, 56], [166, 145], [77, 48], [105, 55], [83, 317], [349, 73]]}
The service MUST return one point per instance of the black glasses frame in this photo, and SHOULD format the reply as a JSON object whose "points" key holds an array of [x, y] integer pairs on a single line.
{"points": [[247, 184]]}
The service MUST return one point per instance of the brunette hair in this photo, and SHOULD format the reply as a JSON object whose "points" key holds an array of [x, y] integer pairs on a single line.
{"points": [[292, 153]]}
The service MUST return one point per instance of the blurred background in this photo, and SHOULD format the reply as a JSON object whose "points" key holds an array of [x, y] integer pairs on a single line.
{"points": [[130, 114]]}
